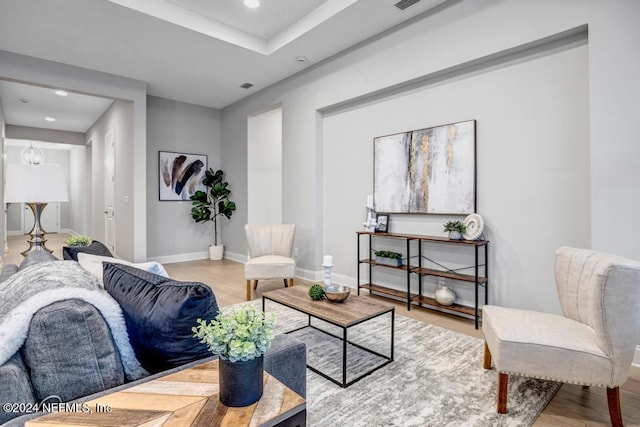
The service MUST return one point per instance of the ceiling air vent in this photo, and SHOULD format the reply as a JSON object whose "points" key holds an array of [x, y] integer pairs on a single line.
{"points": [[246, 85], [403, 4]]}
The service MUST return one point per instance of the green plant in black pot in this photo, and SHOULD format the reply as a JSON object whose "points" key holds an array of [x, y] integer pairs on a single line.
{"points": [[77, 241], [316, 292]]}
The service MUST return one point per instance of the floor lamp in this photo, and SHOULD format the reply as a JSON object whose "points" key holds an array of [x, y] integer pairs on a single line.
{"points": [[35, 185]]}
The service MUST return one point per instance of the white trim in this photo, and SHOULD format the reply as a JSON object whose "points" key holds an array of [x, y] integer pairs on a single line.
{"points": [[636, 357], [235, 257], [168, 259]]}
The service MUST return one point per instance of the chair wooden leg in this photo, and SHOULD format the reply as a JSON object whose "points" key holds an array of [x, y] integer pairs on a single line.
{"points": [[503, 383], [286, 283], [615, 413], [291, 282], [486, 364], [255, 285], [248, 290]]}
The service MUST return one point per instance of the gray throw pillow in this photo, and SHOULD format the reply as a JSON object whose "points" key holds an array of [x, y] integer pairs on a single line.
{"points": [[70, 352]]}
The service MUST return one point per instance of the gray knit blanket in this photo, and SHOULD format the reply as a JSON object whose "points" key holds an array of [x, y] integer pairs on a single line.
{"points": [[41, 284]]}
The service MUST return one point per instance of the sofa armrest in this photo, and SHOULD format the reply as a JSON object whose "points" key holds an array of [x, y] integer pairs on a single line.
{"points": [[286, 360], [16, 387]]}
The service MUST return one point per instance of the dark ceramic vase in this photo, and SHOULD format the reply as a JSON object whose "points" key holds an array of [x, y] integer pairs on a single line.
{"points": [[241, 382]]}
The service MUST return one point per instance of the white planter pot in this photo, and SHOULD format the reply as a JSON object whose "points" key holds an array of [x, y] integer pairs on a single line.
{"points": [[455, 235], [215, 252]]}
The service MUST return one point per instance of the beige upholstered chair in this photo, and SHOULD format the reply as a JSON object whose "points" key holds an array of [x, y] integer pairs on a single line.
{"points": [[592, 344], [270, 254]]}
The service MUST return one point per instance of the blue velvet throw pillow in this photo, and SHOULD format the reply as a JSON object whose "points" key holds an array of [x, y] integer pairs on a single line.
{"points": [[70, 253], [159, 313]]}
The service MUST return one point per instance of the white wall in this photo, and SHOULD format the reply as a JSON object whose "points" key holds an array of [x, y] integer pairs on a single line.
{"points": [[78, 190], [264, 164], [543, 177], [119, 119], [172, 235]]}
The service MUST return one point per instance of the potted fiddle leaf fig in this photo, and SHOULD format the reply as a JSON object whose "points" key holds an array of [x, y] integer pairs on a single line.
{"points": [[240, 337], [209, 205]]}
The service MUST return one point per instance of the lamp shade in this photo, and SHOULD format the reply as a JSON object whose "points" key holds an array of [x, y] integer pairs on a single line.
{"points": [[35, 184]]}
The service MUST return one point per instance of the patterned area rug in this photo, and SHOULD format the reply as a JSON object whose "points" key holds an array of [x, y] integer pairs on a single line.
{"points": [[436, 378]]}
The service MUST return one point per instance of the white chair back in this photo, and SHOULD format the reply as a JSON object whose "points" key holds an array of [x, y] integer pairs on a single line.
{"points": [[276, 239]]}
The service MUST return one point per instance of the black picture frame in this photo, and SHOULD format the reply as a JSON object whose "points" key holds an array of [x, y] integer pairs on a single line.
{"points": [[191, 169], [383, 223]]}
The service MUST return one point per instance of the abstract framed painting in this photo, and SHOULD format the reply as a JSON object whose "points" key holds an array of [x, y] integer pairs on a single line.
{"points": [[426, 171], [180, 174]]}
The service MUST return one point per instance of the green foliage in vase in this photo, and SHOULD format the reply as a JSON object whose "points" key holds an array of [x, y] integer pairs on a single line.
{"points": [[316, 292], [388, 254], [238, 335], [455, 226], [209, 205], [77, 241]]}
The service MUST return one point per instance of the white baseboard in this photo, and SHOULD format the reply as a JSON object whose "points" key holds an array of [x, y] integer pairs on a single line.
{"points": [[14, 233], [235, 257], [168, 259], [636, 357]]}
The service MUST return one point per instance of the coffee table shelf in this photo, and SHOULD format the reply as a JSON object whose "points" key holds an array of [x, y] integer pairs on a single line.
{"points": [[353, 311]]}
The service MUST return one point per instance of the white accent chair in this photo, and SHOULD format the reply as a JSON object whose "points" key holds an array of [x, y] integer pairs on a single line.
{"points": [[270, 254], [592, 344]]}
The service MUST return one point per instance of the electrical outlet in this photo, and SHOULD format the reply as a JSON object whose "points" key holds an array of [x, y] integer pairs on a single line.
{"points": [[295, 252]]}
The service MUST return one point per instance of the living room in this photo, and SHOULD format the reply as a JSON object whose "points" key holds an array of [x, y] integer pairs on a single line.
{"points": [[552, 87]]}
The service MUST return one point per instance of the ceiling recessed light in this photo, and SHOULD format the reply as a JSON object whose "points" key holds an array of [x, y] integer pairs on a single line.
{"points": [[301, 59], [252, 3], [50, 119], [246, 85], [61, 92]]}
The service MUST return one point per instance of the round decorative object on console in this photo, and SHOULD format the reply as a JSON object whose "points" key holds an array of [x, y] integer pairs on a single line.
{"points": [[475, 227], [445, 296]]}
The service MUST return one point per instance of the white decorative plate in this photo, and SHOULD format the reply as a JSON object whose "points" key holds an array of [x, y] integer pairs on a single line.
{"points": [[475, 227]]}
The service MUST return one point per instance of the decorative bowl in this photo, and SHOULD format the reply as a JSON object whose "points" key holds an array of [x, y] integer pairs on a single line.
{"points": [[335, 293]]}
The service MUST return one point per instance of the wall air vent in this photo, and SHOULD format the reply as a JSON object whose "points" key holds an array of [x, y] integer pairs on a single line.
{"points": [[403, 4], [246, 85]]}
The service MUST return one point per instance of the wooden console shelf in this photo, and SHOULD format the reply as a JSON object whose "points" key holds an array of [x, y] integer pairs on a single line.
{"points": [[413, 266]]}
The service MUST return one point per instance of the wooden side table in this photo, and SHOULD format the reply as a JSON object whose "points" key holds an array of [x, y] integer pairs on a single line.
{"points": [[184, 398]]}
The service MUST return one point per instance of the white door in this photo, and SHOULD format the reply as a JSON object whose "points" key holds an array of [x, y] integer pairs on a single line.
{"points": [[109, 192], [50, 219]]}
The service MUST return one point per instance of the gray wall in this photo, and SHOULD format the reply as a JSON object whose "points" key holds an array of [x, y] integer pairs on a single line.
{"points": [[179, 127], [119, 119], [551, 170], [132, 170]]}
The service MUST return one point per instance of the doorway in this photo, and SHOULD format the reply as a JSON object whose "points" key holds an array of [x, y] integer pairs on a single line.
{"points": [[264, 167], [109, 190]]}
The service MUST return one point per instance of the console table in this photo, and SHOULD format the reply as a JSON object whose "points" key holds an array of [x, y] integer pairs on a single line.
{"points": [[414, 266]]}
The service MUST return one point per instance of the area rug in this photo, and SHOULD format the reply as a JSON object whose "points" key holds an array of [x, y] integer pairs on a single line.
{"points": [[436, 378]]}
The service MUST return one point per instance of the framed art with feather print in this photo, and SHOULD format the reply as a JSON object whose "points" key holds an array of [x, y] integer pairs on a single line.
{"points": [[180, 174]]}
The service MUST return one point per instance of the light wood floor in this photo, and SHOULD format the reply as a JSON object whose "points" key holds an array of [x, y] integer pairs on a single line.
{"points": [[572, 406]]}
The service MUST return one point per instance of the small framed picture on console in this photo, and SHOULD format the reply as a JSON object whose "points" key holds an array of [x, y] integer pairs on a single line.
{"points": [[383, 223]]}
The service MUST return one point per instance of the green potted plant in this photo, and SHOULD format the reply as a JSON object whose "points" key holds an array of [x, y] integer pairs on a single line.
{"points": [[388, 258], [77, 241], [240, 337], [209, 205], [455, 229]]}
